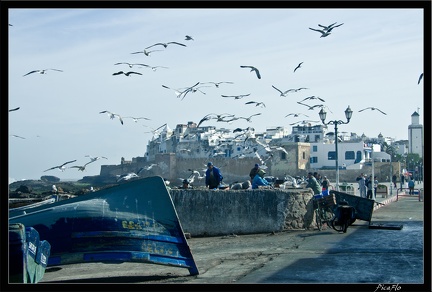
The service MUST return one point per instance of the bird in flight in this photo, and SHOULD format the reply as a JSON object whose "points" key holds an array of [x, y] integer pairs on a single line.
{"points": [[329, 27], [256, 103], [165, 45], [420, 78], [126, 73], [18, 136], [112, 115], [219, 83], [188, 38], [80, 167], [253, 69], [131, 65], [282, 93], [304, 122], [296, 115], [154, 68], [93, 159], [61, 167], [298, 66], [312, 97], [236, 96], [14, 109], [323, 33], [136, 119], [41, 71], [249, 118], [145, 52], [373, 108]]}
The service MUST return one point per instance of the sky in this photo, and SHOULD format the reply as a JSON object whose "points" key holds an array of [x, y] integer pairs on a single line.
{"points": [[374, 59]]}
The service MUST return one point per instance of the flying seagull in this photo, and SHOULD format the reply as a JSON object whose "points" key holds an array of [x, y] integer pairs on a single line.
{"points": [[41, 71], [298, 66], [373, 108], [236, 96], [189, 38], [323, 33], [136, 119], [93, 159], [61, 167], [14, 109], [249, 118], [165, 45], [296, 115], [81, 167], [253, 69], [112, 115], [256, 103], [420, 78], [219, 83], [312, 97], [330, 27], [154, 68], [145, 52], [126, 73], [282, 93], [18, 136], [131, 65]]}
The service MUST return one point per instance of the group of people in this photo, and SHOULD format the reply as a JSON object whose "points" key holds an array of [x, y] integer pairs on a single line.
{"points": [[319, 184], [367, 186]]}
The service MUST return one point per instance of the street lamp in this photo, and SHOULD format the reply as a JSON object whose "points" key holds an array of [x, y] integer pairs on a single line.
{"points": [[348, 115]]}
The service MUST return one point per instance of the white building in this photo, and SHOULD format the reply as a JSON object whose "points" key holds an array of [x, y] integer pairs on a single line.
{"points": [[415, 135]]}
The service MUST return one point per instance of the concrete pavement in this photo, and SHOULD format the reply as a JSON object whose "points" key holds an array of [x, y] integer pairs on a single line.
{"points": [[366, 259]]}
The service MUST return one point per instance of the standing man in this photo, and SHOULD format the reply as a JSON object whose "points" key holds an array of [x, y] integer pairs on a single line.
{"points": [[362, 185], [394, 178], [213, 176]]}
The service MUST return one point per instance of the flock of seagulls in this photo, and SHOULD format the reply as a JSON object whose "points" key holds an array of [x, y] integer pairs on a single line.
{"points": [[62, 167]]}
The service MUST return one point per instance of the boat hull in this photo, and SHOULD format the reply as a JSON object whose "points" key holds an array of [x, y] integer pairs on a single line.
{"points": [[132, 222]]}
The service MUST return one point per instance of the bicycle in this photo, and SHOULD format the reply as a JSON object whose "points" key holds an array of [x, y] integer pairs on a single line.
{"points": [[324, 207]]}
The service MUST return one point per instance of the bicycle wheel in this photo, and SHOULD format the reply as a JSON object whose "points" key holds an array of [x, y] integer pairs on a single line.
{"points": [[338, 226], [318, 218]]}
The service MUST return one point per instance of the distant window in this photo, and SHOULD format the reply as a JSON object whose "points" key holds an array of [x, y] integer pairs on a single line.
{"points": [[331, 155], [304, 155], [358, 157], [349, 155], [314, 148], [283, 156], [314, 159]]}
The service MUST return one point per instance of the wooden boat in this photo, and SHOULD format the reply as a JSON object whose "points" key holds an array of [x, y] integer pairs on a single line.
{"points": [[131, 222]]}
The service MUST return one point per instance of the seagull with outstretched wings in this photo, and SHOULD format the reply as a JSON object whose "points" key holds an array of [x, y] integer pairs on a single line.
{"points": [[42, 71], [282, 93], [253, 69], [113, 115], [298, 66], [165, 45], [127, 73], [373, 108], [312, 97], [261, 104], [14, 109], [323, 33], [296, 115], [61, 167]]}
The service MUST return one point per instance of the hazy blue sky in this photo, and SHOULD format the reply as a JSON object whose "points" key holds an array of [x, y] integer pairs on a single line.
{"points": [[373, 60]]}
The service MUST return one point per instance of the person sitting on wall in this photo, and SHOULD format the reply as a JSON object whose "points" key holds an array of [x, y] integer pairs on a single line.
{"points": [[213, 176], [313, 184], [259, 180]]}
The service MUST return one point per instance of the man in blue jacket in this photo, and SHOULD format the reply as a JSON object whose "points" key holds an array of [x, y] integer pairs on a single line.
{"points": [[259, 180], [213, 176]]}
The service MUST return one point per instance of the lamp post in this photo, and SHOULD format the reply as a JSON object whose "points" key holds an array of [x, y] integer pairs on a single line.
{"points": [[348, 115]]}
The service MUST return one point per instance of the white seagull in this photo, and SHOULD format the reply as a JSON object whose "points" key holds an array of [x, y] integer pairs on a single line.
{"points": [[312, 97], [256, 103], [282, 93], [296, 115], [373, 108], [61, 167], [237, 96], [145, 52], [329, 27], [253, 69], [131, 65], [93, 159], [219, 83], [113, 115], [136, 119], [41, 71]]}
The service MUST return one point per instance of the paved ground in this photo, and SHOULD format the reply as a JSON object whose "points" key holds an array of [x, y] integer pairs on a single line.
{"points": [[375, 258]]}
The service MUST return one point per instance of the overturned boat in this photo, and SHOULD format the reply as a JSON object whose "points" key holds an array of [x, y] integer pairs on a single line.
{"points": [[131, 222]]}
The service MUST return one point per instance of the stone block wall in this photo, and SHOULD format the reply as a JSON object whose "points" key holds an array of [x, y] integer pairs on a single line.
{"points": [[203, 212]]}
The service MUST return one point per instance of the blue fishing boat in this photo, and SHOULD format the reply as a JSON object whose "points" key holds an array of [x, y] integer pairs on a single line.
{"points": [[131, 222]]}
